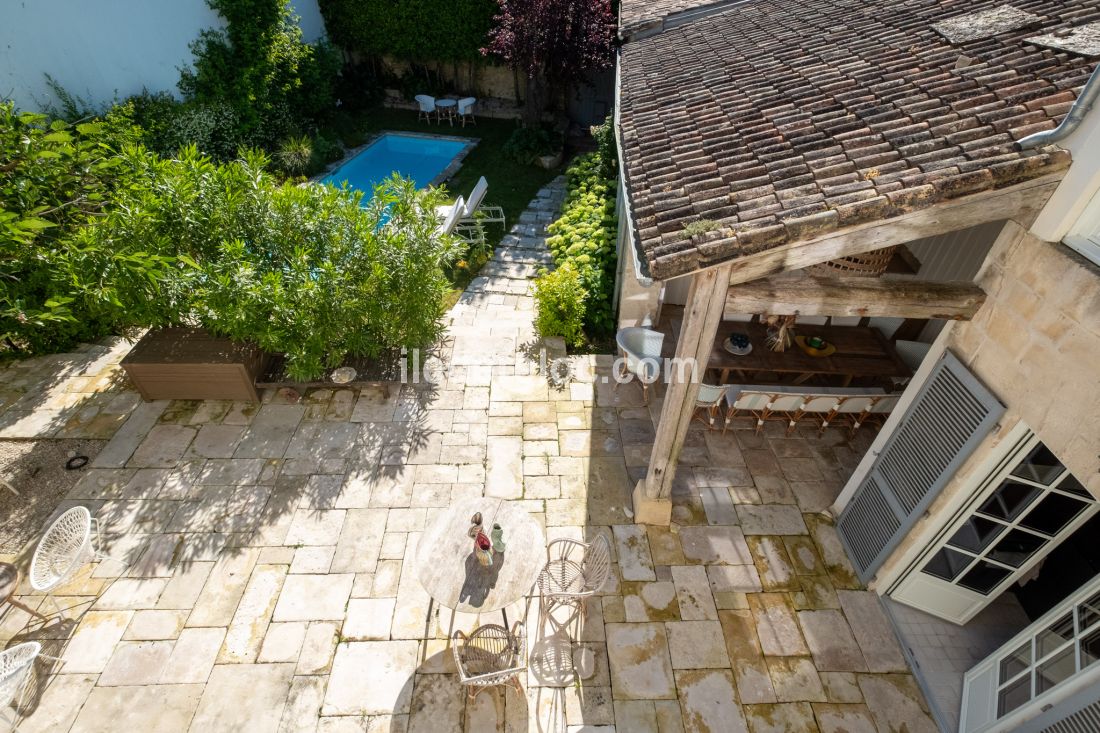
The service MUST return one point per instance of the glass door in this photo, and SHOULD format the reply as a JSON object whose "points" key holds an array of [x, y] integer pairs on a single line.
{"points": [[1026, 509]]}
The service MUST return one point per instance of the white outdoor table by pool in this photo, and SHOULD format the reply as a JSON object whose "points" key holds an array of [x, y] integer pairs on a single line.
{"points": [[452, 575]]}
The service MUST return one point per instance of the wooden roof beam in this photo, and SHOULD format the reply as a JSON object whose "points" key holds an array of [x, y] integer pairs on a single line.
{"points": [[855, 296]]}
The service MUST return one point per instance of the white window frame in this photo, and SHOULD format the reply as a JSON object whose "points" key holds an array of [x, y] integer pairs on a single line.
{"points": [[1084, 237], [946, 599]]}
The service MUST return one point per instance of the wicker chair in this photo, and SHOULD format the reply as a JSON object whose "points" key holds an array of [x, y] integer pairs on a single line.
{"points": [[574, 571], [490, 656], [709, 402], [69, 544], [16, 664], [425, 107]]}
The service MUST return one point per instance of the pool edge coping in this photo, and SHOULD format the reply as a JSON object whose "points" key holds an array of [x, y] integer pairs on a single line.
{"points": [[444, 175]]}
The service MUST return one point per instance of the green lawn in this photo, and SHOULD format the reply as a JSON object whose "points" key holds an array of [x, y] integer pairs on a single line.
{"points": [[512, 185]]}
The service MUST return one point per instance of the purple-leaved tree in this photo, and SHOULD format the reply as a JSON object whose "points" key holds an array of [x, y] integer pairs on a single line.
{"points": [[553, 43]]}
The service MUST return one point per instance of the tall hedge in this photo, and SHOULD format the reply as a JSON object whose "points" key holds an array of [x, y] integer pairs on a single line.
{"points": [[415, 30]]}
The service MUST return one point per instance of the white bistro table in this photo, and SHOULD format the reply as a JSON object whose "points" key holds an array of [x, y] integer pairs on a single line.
{"points": [[452, 575]]}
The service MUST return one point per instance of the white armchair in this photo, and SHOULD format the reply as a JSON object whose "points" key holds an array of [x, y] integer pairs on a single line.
{"points": [[641, 349], [466, 110], [16, 664], [425, 107], [69, 544]]}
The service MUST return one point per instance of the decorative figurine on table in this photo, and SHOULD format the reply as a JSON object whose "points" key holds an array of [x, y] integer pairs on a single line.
{"points": [[498, 538], [483, 548], [475, 525]]}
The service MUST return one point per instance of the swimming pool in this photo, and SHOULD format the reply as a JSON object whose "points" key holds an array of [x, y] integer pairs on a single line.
{"points": [[421, 158]]}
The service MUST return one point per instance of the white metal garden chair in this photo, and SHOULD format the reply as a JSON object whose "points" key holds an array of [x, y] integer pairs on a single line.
{"points": [[425, 106], [574, 572], [709, 400], [490, 656], [641, 348], [466, 110], [16, 664], [70, 543]]}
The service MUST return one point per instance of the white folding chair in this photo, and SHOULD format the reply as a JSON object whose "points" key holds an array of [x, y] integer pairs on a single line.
{"points": [[426, 107]]}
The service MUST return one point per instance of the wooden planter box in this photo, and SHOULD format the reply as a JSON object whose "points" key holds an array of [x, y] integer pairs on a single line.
{"points": [[190, 364]]}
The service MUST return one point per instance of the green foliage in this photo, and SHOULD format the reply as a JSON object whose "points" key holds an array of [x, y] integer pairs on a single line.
{"points": [[260, 67], [606, 147], [700, 227], [528, 143], [301, 270], [559, 305], [56, 176], [414, 30], [585, 236], [295, 154]]}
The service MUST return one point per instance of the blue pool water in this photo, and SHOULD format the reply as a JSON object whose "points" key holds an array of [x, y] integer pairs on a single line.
{"points": [[418, 158]]}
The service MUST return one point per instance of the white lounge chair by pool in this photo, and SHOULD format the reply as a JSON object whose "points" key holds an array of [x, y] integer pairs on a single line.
{"points": [[451, 217], [426, 107], [476, 205]]}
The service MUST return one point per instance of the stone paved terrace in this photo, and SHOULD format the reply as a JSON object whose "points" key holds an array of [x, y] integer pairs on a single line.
{"points": [[270, 585]]}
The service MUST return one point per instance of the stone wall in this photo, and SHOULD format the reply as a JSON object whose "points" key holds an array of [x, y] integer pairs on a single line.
{"points": [[1036, 345]]}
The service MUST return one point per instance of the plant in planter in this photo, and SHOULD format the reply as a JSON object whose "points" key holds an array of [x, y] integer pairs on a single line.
{"points": [[300, 270]]}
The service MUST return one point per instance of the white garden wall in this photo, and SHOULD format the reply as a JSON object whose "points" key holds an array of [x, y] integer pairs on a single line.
{"points": [[101, 50]]}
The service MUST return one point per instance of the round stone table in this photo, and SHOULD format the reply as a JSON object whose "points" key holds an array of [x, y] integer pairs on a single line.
{"points": [[451, 574]]}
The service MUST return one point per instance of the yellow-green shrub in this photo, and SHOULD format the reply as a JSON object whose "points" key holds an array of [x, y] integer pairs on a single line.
{"points": [[559, 305]]}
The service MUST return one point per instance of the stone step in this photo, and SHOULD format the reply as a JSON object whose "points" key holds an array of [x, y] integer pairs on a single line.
{"points": [[524, 256], [502, 285], [523, 242], [528, 230], [513, 270]]}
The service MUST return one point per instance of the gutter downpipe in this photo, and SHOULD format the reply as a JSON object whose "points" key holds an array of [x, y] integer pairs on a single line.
{"points": [[626, 221], [1073, 118]]}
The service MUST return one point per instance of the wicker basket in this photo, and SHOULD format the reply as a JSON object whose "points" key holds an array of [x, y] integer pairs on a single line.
{"points": [[868, 264]]}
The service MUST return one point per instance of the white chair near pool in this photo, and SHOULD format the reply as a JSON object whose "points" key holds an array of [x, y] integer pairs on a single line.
{"points": [[476, 208], [450, 216], [425, 107], [466, 110]]}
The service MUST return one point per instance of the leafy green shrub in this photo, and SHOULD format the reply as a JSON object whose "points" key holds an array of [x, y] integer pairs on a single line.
{"points": [[585, 235], [415, 30], [258, 64], [559, 305], [301, 270], [295, 154], [55, 177], [606, 147], [326, 150], [528, 143]]}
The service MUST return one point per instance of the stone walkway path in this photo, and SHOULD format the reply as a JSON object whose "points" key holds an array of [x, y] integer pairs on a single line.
{"points": [[270, 586]]}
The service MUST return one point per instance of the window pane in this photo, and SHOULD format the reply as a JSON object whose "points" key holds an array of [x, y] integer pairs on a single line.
{"points": [[1089, 611], [1090, 648], [976, 533], [1010, 498], [1040, 466], [1054, 636], [1052, 513], [1016, 547], [1073, 486], [1013, 695], [1058, 668], [947, 564], [984, 577], [1017, 661]]}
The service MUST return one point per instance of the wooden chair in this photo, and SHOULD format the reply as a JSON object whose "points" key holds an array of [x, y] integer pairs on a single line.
{"points": [[490, 656], [709, 401]]}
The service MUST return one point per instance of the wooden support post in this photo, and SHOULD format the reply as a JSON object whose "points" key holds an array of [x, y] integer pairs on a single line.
{"points": [[702, 314]]}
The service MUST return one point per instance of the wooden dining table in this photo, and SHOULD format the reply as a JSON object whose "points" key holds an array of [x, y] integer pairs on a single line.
{"points": [[861, 352]]}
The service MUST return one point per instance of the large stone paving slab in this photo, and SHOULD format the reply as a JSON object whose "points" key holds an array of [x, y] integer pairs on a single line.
{"points": [[314, 597], [154, 708], [371, 678], [709, 702], [244, 697], [641, 668]]}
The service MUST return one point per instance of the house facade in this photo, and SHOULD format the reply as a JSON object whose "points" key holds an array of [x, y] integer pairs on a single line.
{"points": [[765, 148]]}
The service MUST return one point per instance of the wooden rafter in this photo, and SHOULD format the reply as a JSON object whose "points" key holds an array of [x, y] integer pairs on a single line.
{"points": [[855, 296]]}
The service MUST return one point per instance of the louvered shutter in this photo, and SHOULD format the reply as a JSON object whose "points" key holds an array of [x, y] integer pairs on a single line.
{"points": [[950, 415]]}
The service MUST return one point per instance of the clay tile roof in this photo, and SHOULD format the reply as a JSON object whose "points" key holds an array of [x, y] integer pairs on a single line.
{"points": [[780, 120], [637, 15]]}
